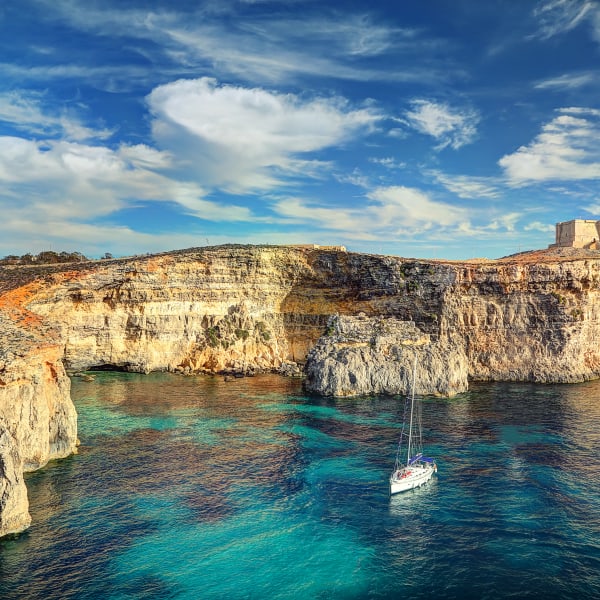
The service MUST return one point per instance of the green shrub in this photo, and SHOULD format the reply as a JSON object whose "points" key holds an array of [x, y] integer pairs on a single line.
{"points": [[212, 337], [242, 334]]}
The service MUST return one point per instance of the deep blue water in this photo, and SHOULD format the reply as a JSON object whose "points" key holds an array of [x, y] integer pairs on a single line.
{"points": [[196, 488]]}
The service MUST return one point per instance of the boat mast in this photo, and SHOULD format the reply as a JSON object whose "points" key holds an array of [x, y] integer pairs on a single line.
{"points": [[412, 406]]}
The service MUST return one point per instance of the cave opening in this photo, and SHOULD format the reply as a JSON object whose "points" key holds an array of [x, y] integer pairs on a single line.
{"points": [[110, 367]]}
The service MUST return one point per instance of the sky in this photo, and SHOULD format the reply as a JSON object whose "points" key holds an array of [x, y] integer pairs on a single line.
{"points": [[432, 129]]}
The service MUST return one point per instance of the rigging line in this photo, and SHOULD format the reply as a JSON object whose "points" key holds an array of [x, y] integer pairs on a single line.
{"points": [[403, 433]]}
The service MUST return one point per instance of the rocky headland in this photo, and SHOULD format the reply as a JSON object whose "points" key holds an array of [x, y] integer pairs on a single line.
{"points": [[351, 322]]}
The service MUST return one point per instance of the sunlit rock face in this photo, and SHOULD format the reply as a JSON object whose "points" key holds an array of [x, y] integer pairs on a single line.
{"points": [[198, 312], [14, 506], [374, 355], [38, 421], [247, 309]]}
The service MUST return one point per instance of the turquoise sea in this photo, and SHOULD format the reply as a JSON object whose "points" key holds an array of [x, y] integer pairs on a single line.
{"points": [[197, 488]]}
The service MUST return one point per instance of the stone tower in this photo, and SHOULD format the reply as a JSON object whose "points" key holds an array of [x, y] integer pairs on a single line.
{"points": [[578, 233]]}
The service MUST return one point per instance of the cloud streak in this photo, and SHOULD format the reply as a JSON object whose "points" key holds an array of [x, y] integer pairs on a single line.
{"points": [[569, 81], [465, 186], [387, 212], [276, 48], [556, 17], [449, 126], [24, 110]]}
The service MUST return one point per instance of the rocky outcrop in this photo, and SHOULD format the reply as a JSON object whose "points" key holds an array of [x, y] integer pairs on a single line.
{"points": [[245, 309], [38, 421], [362, 355], [14, 506]]}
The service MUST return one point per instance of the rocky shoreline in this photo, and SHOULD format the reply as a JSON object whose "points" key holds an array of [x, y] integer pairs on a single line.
{"points": [[353, 321]]}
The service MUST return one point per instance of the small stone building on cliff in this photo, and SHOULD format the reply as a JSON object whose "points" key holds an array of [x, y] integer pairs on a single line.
{"points": [[578, 233]]}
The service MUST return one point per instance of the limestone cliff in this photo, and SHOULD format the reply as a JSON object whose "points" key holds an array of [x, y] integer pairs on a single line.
{"points": [[207, 311], [533, 317], [362, 355], [38, 421]]}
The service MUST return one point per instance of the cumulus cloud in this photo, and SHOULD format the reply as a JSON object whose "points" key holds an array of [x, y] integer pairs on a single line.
{"points": [[246, 138], [566, 149], [449, 126]]}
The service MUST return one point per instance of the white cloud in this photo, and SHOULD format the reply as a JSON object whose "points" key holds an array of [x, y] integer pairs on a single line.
{"points": [[397, 214], [274, 48], [344, 34], [409, 206], [559, 16], [22, 110], [25, 110], [43, 181], [143, 156], [505, 222], [569, 81], [388, 162], [567, 149], [538, 226], [356, 177], [346, 219], [465, 186], [449, 126], [110, 78], [245, 138], [388, 213]]}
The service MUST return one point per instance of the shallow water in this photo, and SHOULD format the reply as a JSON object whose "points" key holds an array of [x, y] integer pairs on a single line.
{"points": [[198, 488]]}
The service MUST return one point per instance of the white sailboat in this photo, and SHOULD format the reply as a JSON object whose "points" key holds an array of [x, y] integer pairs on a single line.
{"points": [[411, 469]]}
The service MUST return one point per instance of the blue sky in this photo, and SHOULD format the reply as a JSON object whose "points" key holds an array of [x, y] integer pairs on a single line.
{"points": [[429, 129]]}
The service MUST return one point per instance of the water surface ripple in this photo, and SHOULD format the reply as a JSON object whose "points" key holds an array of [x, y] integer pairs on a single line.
{"points": [[192, 488]]}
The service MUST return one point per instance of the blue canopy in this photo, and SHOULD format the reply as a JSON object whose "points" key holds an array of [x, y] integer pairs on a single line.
{"points": [[420, 457]]}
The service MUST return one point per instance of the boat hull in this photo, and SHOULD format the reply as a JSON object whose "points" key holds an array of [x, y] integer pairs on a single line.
{"points": [[411, 477]]}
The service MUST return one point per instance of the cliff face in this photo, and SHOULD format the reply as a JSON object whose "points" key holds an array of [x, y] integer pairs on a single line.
{"points": [[375, 355], [529, 321], [208, 311], [38, 421], [533, 317]]}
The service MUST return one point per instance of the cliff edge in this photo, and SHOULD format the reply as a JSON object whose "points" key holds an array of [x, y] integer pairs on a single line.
{"points": [[352, 321]]}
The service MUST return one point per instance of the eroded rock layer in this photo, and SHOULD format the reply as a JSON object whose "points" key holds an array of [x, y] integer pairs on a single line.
{"points": [[244, 309], [375, 355]]}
